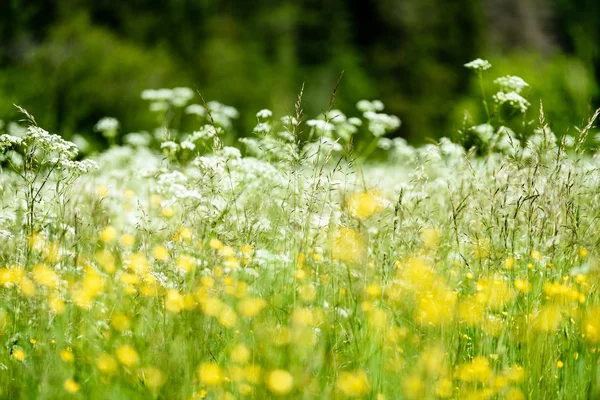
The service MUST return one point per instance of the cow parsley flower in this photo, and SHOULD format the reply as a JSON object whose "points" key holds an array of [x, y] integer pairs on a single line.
{"points": [[478, 65], [513, 99], [108, 126], [511, 83], [263, 114], [195, 109]]}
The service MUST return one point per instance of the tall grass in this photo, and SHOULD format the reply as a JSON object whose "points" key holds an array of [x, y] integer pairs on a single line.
{"points": [[173, 266]]}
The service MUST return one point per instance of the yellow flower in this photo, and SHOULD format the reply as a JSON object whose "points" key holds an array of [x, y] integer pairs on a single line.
{"points": [[240, 354], [363, 205], [347, 245], [280, 382], [478, 370], [18, 354], [44, 276], [160, 253], [353, 384], [210, 374], [127, 240], [591, 326], [536, 255], [102, 191], [67, 355], [120, 322], [216, 244], [373, 290], [56, 304], [71, 386], [168, 212], [509, 263], [186, 263], [251, 307], [152, 377], [174, 301], [127, 356], [106, 364], [227, 317], [108, 234], [431, 237], [307, 293]]}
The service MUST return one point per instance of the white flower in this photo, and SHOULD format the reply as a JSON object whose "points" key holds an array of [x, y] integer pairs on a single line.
{"points": [[195, 109], [169, 146], [186, 144], [108, 126], [511, 83], [380, 124], [366, 105], [136, 139], [478, 65], [355, 121], [181, 96], [385, 143], [289, 120], [262, 127], [321, 125], [264, 114], [484, 132], [514, 99]]}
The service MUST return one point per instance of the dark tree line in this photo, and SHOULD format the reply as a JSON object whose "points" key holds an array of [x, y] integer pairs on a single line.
{"points": [[72, 62]]}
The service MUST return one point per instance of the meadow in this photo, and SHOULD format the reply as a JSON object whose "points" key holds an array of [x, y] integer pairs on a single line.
{"points": [[294, 264]]}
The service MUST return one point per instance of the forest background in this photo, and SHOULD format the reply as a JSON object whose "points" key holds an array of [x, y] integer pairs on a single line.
{"points": [[72, 62]]}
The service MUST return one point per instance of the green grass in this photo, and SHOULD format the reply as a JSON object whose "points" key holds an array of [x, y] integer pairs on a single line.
{"points": [[297, 269]]}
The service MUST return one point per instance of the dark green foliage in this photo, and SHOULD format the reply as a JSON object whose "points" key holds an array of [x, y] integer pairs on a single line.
{"points": [[75, 61]]}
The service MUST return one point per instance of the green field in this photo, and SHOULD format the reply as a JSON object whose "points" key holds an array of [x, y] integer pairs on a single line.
{"points": [[299, 262]]}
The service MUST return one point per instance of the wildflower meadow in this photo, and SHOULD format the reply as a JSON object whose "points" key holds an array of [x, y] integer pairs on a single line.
{"points": [[300, 262]]}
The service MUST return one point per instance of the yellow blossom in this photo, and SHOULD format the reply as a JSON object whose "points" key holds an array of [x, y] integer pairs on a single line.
{"points": [[127, 356], [168, 212], [108, 234], [18, 354], [174, 301], [71, 386], [44, 276], [240, 354], [160, 253], [106, 364], [152, 377], [210, 374], [431, 237], [251, 307], [67, 355], [280, 382], [353, 384], [363, 205], [347, 245], [127, 240], [120, 322]]}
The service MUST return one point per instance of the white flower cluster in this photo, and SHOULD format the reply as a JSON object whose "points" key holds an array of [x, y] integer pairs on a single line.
{"points": [[366, 105], [161, 98], [264, 114], [513, 99], [478, 65], [321, 126], [380, 123], [222, 114], [485, 132], [108, 126], [511, 83], [195, 109]]}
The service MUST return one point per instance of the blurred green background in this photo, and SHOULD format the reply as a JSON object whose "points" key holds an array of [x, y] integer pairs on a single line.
{"points": [[72, 62]]}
